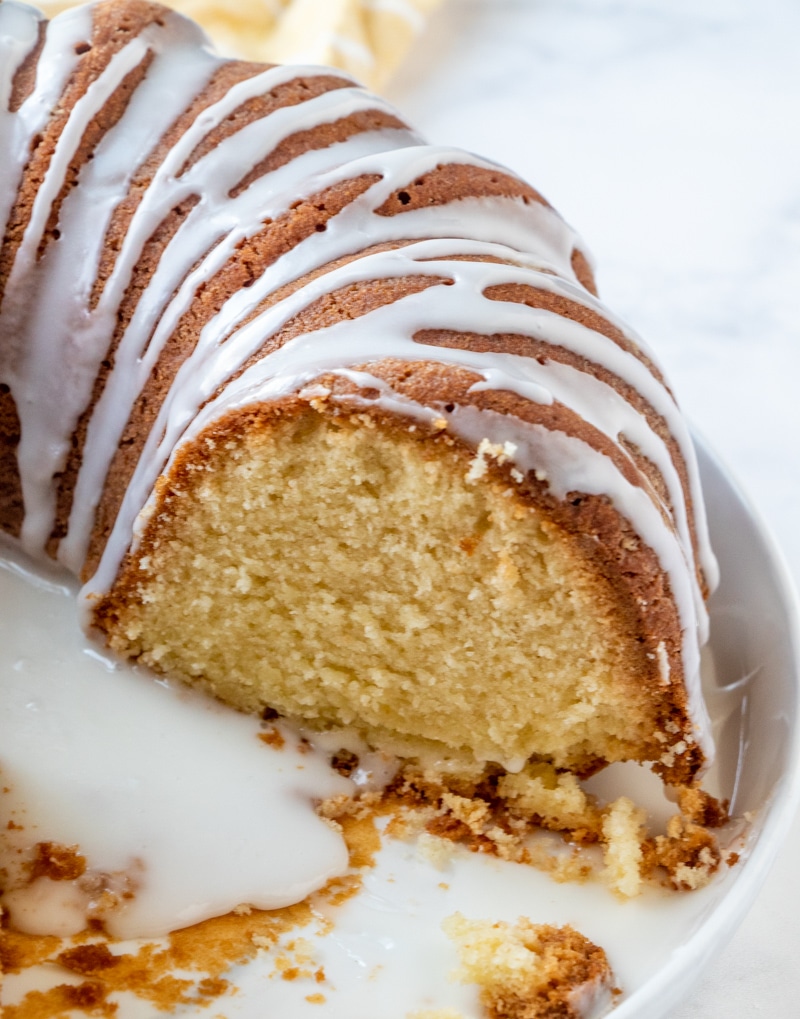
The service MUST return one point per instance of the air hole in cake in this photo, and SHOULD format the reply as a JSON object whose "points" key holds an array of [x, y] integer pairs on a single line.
{"points": [[403, 197]]}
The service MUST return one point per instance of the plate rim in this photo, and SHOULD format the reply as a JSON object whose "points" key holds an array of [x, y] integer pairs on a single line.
{"points": [[674, 981]]}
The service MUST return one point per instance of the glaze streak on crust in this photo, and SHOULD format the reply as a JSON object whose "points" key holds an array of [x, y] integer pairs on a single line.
{"points": [[110, 114], [218, 86], [448, 183], [319, 138], [143, 270], [110, 35], [12, 509], [291, 93], [25, 77], [348, 303], [560, 305]]}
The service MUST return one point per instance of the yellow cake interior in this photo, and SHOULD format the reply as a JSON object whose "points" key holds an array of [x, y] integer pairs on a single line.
{"points": [[348, 573]]}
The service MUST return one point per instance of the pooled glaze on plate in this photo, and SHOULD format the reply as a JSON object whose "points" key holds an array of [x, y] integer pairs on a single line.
{"points": [[189, 807]]}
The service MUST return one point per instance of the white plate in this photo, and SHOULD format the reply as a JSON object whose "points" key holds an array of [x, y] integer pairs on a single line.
{"points": [[755, 643], [387, 955]]}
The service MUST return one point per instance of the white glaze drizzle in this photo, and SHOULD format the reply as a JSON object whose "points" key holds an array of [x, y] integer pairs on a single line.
{"points": [[19, 30], [529, 235]]}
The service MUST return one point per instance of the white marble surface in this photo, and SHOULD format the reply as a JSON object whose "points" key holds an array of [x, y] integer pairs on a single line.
{"points": [[668, 133]]}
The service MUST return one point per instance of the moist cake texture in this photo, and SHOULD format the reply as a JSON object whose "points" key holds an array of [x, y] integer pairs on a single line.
{"points": [[331, 421]]}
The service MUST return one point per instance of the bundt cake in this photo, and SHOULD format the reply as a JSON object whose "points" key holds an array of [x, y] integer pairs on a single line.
{"points": [[330, 421]]}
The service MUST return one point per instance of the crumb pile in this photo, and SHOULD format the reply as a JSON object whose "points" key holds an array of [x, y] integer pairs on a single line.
{"points": [[524, 971], [491, 811]]}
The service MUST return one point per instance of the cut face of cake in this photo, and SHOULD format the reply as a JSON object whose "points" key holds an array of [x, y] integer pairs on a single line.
{"points": [[347, 570], [329, 420]]}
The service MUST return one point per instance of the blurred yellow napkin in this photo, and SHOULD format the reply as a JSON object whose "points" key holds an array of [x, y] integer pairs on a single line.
{"points": [[368, 38]]}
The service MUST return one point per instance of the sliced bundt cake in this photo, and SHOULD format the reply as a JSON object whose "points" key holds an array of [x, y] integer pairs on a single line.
{"points": [[331, 421]]}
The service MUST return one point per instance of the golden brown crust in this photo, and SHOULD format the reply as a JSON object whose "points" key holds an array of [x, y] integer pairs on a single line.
{"points": [[454, 181], [12, 509], [25, 78], [583, 271]]}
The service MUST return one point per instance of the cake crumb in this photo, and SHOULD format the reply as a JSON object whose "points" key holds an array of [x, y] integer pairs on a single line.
{"points": [[435, 850], [701, 808], [689, 853], [500, 453], [527, 970], [273, 738], [623, 827]]}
